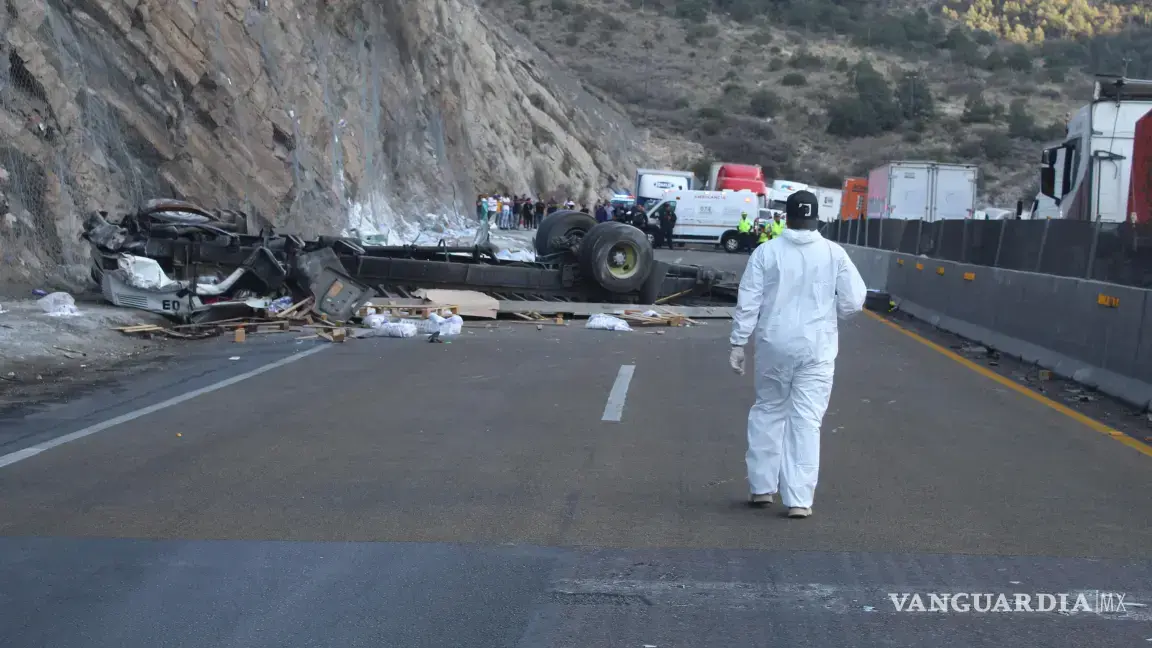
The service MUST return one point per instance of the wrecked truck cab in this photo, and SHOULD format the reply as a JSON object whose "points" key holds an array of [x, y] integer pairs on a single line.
{"points": [[580, 261]]}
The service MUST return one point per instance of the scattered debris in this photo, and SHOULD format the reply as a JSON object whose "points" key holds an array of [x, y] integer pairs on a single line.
{"points": [[587, 309], [655, 318]]}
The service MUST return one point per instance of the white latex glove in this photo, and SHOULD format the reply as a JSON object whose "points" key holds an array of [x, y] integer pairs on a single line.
{"points": [[736, 359]]}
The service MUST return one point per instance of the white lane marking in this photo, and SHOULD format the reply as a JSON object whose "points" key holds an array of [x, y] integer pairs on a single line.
{"points": [[614, 408], [19, 455]]}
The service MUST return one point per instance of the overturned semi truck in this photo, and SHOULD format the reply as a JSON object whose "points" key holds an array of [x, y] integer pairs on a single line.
{"points": [[191, 263]]}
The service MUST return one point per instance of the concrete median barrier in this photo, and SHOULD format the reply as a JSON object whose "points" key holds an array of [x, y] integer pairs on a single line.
{"points": [[1090, 331], [873, 265]]}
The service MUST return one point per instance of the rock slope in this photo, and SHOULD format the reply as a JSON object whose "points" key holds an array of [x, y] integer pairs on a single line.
{"points": [[295, 110]]}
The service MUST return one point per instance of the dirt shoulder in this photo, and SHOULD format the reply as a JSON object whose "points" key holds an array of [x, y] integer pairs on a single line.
{"points": [[45, 356]]}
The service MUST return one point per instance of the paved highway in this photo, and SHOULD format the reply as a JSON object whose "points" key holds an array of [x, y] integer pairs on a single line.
{"points": [[398, 493]]}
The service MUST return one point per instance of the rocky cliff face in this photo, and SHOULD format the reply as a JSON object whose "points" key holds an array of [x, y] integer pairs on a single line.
{"points": [[297, 110]]}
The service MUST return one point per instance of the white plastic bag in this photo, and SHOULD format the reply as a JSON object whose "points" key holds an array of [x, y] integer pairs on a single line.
{"points": [[398, 329], [427, 326], [388, 329], [604, 322], [376, 320], [447, 325], [59, 304], [143, 272], [279, 304]]}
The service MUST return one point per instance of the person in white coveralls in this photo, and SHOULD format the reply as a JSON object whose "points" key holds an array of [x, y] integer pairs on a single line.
{"points": [[794, 289]]}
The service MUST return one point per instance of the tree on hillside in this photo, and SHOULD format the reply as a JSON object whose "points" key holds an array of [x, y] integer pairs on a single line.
{"points": [[1031, 21], [695, 11], [1019, 58], [873, 89], [764, 103], [1023, 125], [852, 118], [915, 97], [977, 110]]}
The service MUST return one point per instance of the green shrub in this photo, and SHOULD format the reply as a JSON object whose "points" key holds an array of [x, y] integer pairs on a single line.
{"points": [[794, 79], [764, 103]]}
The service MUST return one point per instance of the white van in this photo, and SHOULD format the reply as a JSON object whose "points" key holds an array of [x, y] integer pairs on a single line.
{"points": [[705, 216]]}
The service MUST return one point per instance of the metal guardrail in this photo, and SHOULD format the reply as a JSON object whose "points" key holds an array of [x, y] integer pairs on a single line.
{"points": [[1118, 253]]}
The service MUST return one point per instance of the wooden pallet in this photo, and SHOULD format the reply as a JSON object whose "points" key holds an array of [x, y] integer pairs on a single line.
{"points": [[638, 318], [407, 311]]}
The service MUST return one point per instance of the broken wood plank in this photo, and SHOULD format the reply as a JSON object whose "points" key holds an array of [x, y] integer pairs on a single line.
{"points": [[671, 297], [303, 303], [139, 328], [586, 309]]}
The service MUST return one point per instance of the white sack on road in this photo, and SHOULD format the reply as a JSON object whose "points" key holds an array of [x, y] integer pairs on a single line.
{"points": [[604, 322], [447, 325], [59, 304], [388, 329]]}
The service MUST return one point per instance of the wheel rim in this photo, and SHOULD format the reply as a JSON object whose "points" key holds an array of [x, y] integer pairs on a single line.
{"points": [[623, 260], [730, 244]]}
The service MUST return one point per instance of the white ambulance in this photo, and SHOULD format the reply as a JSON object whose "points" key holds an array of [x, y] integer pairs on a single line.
{"points": [[708, 217]]}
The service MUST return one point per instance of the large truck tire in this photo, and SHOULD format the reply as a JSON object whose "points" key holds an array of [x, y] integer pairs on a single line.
{"points": [[617, 257], [559, 224]]}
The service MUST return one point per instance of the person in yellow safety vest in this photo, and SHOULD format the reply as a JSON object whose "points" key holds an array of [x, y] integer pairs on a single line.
{"points": [[744, 228], [764, 236], [777, 226]]}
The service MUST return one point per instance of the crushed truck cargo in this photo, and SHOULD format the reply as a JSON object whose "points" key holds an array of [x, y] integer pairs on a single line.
{"points": [[192, 264]]}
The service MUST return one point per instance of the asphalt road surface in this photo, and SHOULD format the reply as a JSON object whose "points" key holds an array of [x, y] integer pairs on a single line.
{"points": [[482, 493]]}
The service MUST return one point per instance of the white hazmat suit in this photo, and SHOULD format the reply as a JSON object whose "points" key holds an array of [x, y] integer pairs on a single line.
{"points": [[793, 289]]}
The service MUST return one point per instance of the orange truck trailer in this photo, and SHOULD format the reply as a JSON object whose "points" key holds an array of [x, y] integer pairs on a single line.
{"points": [[854, 200]]}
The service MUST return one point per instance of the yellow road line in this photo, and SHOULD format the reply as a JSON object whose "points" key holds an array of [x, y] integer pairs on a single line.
{"points": [[1020, 389]]}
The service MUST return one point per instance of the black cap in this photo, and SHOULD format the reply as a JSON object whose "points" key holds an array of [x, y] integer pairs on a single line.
{"points": [[802, 205]]}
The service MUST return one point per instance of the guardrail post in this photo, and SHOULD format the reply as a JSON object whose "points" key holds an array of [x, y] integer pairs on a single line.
{"points": [[1092, 249], [1000, 242], [964, 243], [1043, 242], [867, 225], [880, 239], [919, 234]]}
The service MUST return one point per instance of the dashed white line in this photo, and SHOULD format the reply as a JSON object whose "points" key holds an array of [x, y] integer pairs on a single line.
{"points": [[20, 455], [614, 408]]}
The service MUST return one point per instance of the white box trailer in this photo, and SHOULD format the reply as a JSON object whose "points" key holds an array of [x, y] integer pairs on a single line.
{"points": [[829, 200], [922, 190], [653, 185]]}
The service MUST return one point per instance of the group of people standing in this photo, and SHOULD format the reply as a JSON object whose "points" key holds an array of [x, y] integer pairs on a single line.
{"points": [[517, 212], [753, 233]]}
